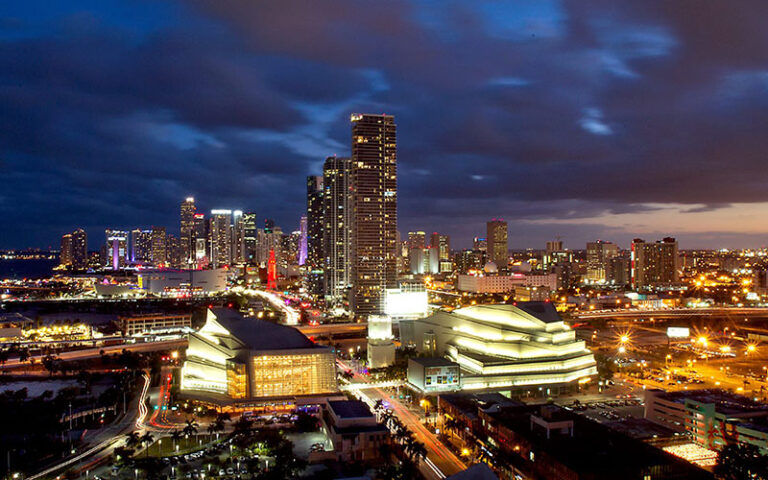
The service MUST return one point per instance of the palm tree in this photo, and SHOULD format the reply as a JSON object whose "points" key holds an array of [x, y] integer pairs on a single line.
{"points": [[191, 427], [211, 430], [176, 435], [418, 451], [133, 439], [147, 439]]}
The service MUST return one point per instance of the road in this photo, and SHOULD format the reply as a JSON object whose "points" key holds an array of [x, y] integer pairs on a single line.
{"points": [[672, 313], [89, 353], [108, 439], [440, 461]]}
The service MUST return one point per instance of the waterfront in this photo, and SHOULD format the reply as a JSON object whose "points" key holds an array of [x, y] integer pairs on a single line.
{"points": [[33, 268]]}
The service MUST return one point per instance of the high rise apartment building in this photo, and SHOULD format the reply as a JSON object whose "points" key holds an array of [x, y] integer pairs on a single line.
{"points": [[74, 249], [238, 237], [314, 235], [116, 248], [498, 246], [654, 264], [250, 232], [374, 211], [336, 225]]}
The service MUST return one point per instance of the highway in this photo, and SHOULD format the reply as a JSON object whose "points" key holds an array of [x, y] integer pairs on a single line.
{"points": [[89, 353], [671, 313]]}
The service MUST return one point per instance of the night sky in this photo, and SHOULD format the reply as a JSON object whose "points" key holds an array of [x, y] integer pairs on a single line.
{"points": [[580, 119]]}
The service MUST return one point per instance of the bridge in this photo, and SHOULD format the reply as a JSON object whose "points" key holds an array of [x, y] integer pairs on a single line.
{"points": [[364, 385], [665, 313], [334, 329]]}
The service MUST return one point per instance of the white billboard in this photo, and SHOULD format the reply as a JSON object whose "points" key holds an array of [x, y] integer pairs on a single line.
{"points": [[401, 303], [678, 332]]}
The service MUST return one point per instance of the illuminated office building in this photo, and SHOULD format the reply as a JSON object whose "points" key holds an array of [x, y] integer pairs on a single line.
{"points": [[159, 246], [381, 342], [374, 211], [336, 214], [187, 231], [220, 238], [505, 347], [498, 246], [238, 237], [141, 246], [599, 255], [116, 248], [201, 240], [233, 359], [250, 232]]}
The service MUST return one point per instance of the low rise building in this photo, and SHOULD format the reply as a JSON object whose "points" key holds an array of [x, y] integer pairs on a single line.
{"points": [[354, 431], [508, 348], [547, 441], [234, 360], [170, 282], [155, 323], [713, 418], [432, 375], [506, 283]]}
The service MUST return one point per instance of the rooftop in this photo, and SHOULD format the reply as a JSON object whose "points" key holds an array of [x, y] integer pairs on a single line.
{"points": [[594, 450], [726, 403], [433, 361], [261, 334], [350, 409]]}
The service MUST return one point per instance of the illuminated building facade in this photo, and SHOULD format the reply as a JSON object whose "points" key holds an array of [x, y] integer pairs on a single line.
{"points": [[599, 255], [159, 246], [220, 238], [187, 231], [336, 228], [238, 237], [233, 359], [141, 246], [74, 249], [654, 264], [505, 347], [374, 211], [250, 232], [381, 342], [497, 241], [315, 220], [116, 248]]}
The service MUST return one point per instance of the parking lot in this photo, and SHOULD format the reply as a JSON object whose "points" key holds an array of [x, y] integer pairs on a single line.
{"points": [[608, 410]]}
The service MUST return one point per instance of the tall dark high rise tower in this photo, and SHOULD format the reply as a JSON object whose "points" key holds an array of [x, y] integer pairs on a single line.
{"points": [[336, 228], [315, 209], [498, 246], [374, 211], [186, 232]]}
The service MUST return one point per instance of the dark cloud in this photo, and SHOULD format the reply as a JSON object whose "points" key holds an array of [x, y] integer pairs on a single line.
{"points": [[534, 112]]}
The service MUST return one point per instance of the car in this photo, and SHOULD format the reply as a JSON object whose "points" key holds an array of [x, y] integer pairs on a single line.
{"points": [[222, 472], [230, 471]]}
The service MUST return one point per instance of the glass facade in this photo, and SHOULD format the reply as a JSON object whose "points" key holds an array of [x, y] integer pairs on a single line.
{"points": [[237, 383], [293, 374]]}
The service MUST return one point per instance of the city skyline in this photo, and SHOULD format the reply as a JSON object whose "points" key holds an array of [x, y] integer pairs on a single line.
{"points": [[598, 123]]}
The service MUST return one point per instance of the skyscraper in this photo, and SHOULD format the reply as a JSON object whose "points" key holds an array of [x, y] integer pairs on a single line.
{"points": [[159, 246], [336, 228], [141, 246], [65, 254], [303, 245], [201, 240], [654, 264], [443, 244], [250, 230], [315, 231], [116, 248], [374, 211], [238, 237], [498, 248], [186, 232], [220, 240], [599, 255]]}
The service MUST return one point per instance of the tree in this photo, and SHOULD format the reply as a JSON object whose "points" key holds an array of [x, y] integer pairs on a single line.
{"points": [[306, 422], [191, 427], [741, 462], [147, 440], [133, 439]]}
